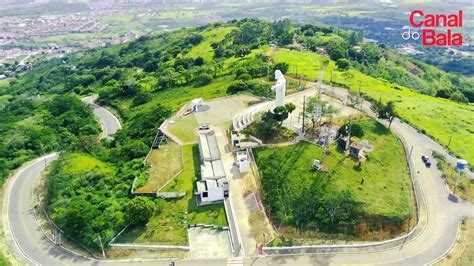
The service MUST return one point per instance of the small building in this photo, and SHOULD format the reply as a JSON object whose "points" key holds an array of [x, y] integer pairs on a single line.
{"points": [[235, 138], [195, 104], [211, 191], [356, 150], [213, 186], [243, 161]]}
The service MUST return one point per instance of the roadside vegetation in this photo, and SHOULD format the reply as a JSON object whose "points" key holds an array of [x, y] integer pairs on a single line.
{"points": [[345, 195], [465, 188], [147, 80]]}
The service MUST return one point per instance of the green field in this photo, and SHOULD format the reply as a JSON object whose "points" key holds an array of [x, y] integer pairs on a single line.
{"points": [[439, 118], [385, 174], [184, 127], [169, 227], [204, 49]]}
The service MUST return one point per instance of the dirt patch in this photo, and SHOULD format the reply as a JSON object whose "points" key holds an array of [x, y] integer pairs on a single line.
{"points": [[143, 254], [165, 163], [261, 228]]}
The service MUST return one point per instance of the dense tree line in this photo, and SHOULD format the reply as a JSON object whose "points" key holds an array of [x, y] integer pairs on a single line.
{"points": [[308, 206], [50, 123]]}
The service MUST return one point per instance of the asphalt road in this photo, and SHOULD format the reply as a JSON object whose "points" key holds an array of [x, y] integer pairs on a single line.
{"points": [[109, 123], [22, 231], [443, 212]]}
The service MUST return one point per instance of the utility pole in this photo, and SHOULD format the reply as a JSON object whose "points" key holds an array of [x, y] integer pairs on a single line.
{"points": [[449, 143], [349, 133], [304, 110]]}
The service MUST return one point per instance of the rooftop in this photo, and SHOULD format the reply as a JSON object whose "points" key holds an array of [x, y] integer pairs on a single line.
{"points": [[208, 146], [212, 170]]}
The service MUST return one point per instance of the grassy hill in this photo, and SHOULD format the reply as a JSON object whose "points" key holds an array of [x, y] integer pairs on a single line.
{"points": [[442, 119], [147, 80], [292, 189]]}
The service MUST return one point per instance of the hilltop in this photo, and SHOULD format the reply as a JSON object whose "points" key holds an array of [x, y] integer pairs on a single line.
{"points": [[147, 80]]}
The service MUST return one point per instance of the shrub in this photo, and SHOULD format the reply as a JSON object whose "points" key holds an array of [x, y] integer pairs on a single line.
{"points": [[139, 210]]}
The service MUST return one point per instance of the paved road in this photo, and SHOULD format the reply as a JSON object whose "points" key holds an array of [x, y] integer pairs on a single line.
{"points": [[443, 211], [109, 123], [22, 232]]}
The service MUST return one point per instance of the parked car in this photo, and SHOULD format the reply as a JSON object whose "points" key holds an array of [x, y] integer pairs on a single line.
{"points": [[426, 160], [203, 127]]}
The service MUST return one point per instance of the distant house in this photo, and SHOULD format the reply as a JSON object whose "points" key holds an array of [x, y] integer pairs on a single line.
{"points": [[213, 186]]}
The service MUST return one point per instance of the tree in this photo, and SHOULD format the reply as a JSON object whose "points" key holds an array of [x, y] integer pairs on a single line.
{"points": [[457, 96], [282, 66], [337, 49], [139, 210], [283, 31], [356, 130], [316, 109], [203, 79], [385, 111], [341, 206], [343, 64], [237, 87], [266, 125]]}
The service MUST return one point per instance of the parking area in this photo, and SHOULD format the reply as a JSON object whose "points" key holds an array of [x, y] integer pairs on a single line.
{"points": [[208, 243]]}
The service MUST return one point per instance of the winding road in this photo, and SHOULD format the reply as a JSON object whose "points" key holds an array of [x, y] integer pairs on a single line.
{"points": [[435, 234], [108, 121], [23, 234]]}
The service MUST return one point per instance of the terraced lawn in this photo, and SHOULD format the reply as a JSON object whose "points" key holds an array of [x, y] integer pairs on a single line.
{"points": [[165, 163], [169, 227]]}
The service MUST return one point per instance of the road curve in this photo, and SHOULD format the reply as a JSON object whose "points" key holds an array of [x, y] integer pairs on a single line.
{"points": [[443, 211], [108, 121], [23, 234]]}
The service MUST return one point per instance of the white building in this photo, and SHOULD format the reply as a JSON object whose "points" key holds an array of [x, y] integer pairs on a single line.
{"points": [[213, 186], [210, 191], [243, 161]]}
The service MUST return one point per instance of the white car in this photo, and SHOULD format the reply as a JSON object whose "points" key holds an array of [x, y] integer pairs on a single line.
{"points": [[203, 127]]}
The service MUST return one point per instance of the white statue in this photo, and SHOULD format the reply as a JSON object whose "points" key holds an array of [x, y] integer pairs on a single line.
{"points": [[279, 88]]}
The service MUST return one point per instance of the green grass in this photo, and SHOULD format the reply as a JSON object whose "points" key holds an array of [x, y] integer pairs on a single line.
{"points": [[385, 191], [165, 163], [465, 187], [183, 128], [440, 118], [81, 162], [176, 97], [204, 49], [169, 227]]}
